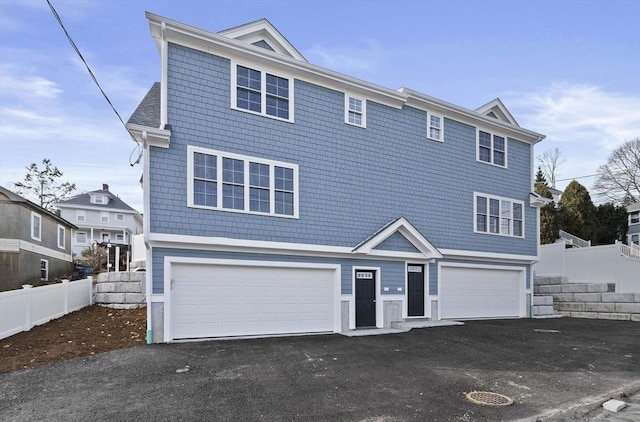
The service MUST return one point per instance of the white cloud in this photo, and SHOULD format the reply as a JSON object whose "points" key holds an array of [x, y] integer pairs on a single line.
{"points": [[584, 114], [16, 84], [364, 58]]}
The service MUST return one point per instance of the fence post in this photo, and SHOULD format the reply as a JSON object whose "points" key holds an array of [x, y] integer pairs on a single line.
{"points": [[27, 306], [65, 289], [90, 278]]}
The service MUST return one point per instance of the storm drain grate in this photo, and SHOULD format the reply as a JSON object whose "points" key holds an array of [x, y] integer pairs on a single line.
{"points": [[488, 399]]}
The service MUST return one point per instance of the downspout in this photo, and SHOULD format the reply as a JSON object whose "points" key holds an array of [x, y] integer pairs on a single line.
{"points": [[531, 274], [145, 218]]}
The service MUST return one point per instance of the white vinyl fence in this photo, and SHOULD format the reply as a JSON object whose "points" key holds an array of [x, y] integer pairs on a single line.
{"points": [[595, 264], [20, 310]]}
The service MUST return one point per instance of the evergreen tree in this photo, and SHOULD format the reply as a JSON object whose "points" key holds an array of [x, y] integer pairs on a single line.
{"points": [[612, 224], [549, 225], [577, 214]]}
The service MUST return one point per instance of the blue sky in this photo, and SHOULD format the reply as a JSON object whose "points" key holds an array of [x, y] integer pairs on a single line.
{"points": [[568, 69]]}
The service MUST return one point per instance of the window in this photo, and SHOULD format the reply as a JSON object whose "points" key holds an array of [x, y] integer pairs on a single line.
{"points": [[119, 237], [232, 182], [119, 217], [61, 235], [106, 238], [262, 92], [500, 216], [355, 111], [635, 239], [434, 127], [634, 217], [81, 215], [44, 269], [36, 226], [81, 238], [104, 217], [492, 149]]}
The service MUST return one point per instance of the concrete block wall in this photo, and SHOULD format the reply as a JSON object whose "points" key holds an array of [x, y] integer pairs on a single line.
{"points": [[120, 290], [585, 300]]}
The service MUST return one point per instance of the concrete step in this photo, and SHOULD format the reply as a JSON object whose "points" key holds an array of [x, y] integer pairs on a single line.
{"points": [[598, 307], [538, 281], [111, 277], [619, 316], [120, 298], [543, 310], [574, 288], [542, 300], [119, 287]]}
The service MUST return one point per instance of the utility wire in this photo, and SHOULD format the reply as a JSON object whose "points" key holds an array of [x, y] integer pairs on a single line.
{"points": [[95, 80], [574, 178]]}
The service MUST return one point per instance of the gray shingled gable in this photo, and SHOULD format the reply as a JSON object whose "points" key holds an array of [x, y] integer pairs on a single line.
{"points": [[148, 111], [84, 199], [14, 197]]}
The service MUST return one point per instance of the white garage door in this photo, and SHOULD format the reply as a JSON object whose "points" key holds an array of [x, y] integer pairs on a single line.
{"points": [[481, 293], [230, 300]]}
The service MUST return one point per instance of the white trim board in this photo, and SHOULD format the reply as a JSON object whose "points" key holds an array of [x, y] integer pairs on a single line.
{"points": [[15, 245]]}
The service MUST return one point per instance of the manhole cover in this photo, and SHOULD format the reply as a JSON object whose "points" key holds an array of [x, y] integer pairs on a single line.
{"points": [[489, 399]]}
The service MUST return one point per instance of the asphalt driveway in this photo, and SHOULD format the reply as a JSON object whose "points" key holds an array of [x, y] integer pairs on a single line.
{"points": [[419, 375]]}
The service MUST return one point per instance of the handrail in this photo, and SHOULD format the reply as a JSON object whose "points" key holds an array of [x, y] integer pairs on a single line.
{"points": [[632, 251], [575, 240]]}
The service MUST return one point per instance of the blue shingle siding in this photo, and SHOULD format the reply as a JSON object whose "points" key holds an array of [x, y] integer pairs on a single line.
{"points": [[392, 273], [352, 180], [433, 279], [397, 242]]}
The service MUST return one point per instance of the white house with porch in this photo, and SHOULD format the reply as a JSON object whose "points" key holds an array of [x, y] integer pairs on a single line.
{"points": [[102, 219]]}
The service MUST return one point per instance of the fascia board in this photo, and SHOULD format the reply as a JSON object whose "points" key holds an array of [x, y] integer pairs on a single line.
{"points": [[155, 137], [212, 43], [422, 101]]}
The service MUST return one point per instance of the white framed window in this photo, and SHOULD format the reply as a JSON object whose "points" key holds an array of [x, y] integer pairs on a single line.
{"points": [[261, 92], [497, 215], [99, 199], [81, 216], [36, 226], [119, 217], [44, 269], [491, 148], [435, 127], [231, 182], [106, 237], [81, 238], [355, 111], [61, 234], [119, 237], [104, 216], [634, 239], [634, 217]]}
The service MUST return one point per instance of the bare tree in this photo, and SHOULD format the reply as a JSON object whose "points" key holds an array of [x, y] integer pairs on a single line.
{"points": [[549, 162], [619, 178], [43, 185]]}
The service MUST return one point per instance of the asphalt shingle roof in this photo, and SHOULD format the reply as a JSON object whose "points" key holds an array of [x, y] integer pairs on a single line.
{"points": [[148, 111], [84, 199]]}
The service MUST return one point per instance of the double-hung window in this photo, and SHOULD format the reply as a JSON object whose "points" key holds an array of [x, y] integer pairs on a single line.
{"points": [[435, 127], [61, 235], [81, 216], [492, 148], [81, 238], [262, 92], [355, 111], [499, 216], [44, 269], [231, 182], [104, 216], [36, 226], [634, 217]]}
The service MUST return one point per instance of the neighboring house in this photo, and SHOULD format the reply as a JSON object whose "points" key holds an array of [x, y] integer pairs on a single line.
{"points": [[633, 234], [35, 244], [102, 218], [282, 197]]}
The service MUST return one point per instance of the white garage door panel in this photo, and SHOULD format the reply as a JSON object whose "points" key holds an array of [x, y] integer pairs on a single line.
{"points": [[480, 293], [225, 300]]}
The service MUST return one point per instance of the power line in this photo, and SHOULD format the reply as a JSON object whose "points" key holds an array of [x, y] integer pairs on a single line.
{"points": [[95, 80], [574, 178]]}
